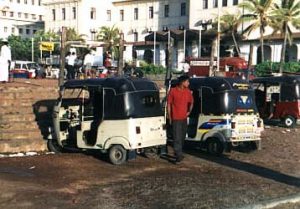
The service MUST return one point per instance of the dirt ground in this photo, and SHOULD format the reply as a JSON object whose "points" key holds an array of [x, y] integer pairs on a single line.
{"points": [[82, 180]]}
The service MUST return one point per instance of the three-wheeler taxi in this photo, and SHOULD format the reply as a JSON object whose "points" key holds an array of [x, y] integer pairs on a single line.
{"points": [[116, 115], [278, 98], [224, 115]]}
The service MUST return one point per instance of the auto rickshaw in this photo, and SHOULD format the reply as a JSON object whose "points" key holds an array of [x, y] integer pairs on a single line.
{"points": [[224, 115], [115, 115], [278, 98]]}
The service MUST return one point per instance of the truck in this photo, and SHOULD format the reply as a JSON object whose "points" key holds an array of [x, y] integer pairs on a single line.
{"points": [[233, 67]]}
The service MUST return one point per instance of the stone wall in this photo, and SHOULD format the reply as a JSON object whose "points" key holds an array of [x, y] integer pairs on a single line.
{"points": [[25, 117]]}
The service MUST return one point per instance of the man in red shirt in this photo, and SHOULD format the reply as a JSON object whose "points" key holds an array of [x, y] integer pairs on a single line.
{"points": [[180, 104]]}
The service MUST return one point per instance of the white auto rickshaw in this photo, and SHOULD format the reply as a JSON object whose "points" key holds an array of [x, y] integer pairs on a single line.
{"points": [[117, 116]]}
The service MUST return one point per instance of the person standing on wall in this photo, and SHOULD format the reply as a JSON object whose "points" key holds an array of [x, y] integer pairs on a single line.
{"points": [[180, 104], [87, 63], [71, 66], [5, 61]]}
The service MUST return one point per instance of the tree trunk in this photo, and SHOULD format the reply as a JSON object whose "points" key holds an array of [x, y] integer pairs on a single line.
{"points": [[212, 57], [235, 44], [262, 45], [282, 58], [250, 56]]}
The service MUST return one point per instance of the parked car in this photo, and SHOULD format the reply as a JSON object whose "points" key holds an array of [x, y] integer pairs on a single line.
{"points": [[26, 69]]}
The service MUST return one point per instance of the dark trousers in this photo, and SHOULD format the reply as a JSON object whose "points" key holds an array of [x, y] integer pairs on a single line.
{"points": [[179, 132], [70, 72]]}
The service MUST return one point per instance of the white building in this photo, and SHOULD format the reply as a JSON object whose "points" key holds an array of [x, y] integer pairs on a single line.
{"points": [[20, 17], [208, 9]]}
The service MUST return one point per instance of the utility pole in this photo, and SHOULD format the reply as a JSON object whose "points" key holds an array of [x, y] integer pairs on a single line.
{"points": [[62, 56]]}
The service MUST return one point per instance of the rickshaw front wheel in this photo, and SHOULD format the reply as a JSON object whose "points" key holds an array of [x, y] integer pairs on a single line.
{"points": [[117, 154], [289, 121]]}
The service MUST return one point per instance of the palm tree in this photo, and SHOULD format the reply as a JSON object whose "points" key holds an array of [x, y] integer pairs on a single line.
{"points": [[111, 38], [229, 24], [72, 35], [286, 16], [258, 18]]}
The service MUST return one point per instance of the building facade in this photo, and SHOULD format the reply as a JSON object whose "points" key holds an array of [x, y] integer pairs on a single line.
{"points": [[21, 17]]}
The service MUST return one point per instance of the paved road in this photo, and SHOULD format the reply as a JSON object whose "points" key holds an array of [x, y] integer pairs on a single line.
{"points": [[78, 180]]}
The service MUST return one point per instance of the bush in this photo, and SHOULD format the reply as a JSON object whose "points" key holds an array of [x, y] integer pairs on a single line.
{"points": [[266, 68], [152, 69]]}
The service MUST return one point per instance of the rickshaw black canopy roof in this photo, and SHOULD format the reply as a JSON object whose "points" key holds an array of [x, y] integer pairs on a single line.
{"points": [[288, 79], [119, 84], [219, 84]]}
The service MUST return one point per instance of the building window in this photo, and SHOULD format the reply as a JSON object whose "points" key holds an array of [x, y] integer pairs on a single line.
{"points": [[34, 31], [33, 16], [32, 2], [27, 31], [20, 30], [183, 9], [224, 3], [93, 13], [205, 4], [63, 13], [40, 17], [136, 37], [19, 14], [13, 30], [151, 12], [235, 2], [167, 10], [3, 13], [11, 14], [5, 29], [136, 13], [53, 14], [74, 12], [25, 1], [215, 3], [18, 1], [121, 15], [26, 15], [108, 15], [39, 2]]}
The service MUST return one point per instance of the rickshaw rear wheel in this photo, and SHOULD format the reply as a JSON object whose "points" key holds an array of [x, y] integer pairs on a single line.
{"points": [[289, 121], [214, 146], [117, 154], [53, 146]]}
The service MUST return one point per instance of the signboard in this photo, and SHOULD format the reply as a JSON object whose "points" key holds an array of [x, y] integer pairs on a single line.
{"points": [[46, 46], [201, 63]]}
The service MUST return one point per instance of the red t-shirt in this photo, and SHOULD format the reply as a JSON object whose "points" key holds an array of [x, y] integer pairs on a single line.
{"points": [[180, 101]]}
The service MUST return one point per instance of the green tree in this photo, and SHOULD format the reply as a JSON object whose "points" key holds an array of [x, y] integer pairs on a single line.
{"points": [[284, 17], [110, 36], [229, 24], [20, 48], [258, 18]]}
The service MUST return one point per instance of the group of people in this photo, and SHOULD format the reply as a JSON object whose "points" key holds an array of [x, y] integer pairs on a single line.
{"points": [[75, 67], [5, 60]]}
